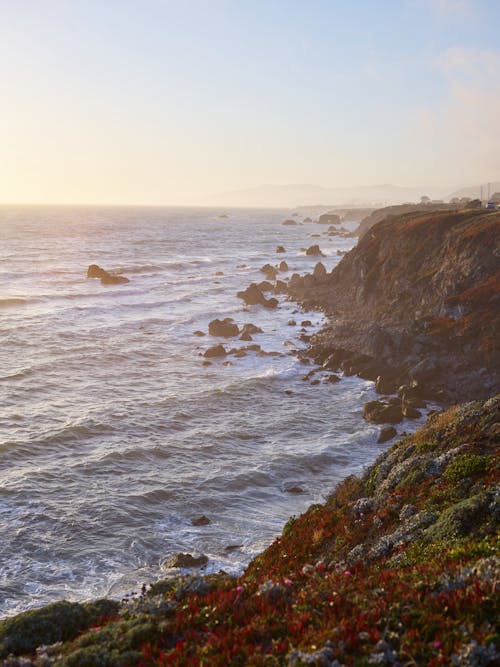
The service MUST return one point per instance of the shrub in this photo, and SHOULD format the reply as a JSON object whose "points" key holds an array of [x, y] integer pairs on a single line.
{"points": [[466, 465]]}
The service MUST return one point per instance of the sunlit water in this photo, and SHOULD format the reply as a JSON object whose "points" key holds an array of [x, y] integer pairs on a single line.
{"points": [[114, 436]]}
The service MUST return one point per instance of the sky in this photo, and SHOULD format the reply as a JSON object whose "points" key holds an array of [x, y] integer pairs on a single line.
{"points": [[174, 101]]}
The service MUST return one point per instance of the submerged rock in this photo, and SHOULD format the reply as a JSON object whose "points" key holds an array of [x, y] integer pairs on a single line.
{"points": [[200, 520], [280, 248]]}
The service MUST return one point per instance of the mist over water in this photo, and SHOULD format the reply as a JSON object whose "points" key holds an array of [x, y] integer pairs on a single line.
{"points": [[113, 435]]}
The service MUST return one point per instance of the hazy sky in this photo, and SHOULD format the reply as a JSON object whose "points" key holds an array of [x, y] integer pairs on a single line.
{"points": [[168, 101]]}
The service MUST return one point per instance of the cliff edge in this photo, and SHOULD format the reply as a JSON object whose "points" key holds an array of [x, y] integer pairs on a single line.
{"points": [[417, 299]]}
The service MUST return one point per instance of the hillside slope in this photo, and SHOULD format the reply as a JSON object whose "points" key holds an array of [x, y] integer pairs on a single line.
{"points": [[399, 567], [419, 296]]}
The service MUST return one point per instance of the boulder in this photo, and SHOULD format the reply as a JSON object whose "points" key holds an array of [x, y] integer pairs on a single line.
{"points": [[329, 219], [386, 433], [250, 329], [382, 413], [280, 287], [225, 328], [265, 286], [320, 274], [270, 271], [253, 296], [289, 222], [384, 386], [410, 412], [306, 323], [332, 378], [215, 351], [314, 251], [95, 271], [246, 336], [283, 266], [199, 333], [307, 219], [186, 560], [280, 248]]}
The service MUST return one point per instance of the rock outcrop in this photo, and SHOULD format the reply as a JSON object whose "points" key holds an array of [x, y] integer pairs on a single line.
{"points": [[418, 299], [95, 271], [253, 296]]}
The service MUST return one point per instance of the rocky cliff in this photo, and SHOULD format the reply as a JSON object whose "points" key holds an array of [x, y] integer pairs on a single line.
{"points": [[379, 214], [418, 299]]}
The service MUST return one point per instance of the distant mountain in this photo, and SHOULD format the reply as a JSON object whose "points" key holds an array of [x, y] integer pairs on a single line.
{"points": [[289, 196], [474, 191]]}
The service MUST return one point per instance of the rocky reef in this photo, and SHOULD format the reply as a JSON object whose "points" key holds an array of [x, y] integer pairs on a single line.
{"points": [[417, 300], [398, 567]]}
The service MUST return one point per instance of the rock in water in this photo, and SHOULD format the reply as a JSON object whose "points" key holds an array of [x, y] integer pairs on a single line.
{"points": [[253, 296], [95, 271], [186, 560], [280, 248], [200, 520], [314, 251], [269, 271], [225, 328], [250, 329], [215, 351], [386, 433]]}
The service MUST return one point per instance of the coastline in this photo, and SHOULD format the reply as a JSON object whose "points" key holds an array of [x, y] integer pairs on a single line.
{"points": [[158, 632]]}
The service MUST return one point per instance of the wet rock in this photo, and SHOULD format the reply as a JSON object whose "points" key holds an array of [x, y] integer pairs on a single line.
{"points": [[246, 337], [384, 386], [314, 251], [225, 328], [280, 287], [382, 413], [199, 333], [269, 271], [251, 329], [280, 248], [200, 520], [219, 273], [95, 271], [294, 489], [283, 266], [320, 274], [333, 378], [386, 433], [215, 351], [186, 560], [265, 286], [307, 219], [292, 323], [253, 296], [206, 363], [411, 413], [289, 222], [306, 323]]}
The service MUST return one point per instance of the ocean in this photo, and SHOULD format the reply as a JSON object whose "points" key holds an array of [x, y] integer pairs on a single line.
{"points": [[114, 435]]}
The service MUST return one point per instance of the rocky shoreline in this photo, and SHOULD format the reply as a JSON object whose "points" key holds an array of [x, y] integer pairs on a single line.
{"points": [[398, 567]]}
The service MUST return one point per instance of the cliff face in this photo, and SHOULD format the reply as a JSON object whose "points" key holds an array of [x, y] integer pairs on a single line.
{"points": [[420, 295]]}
